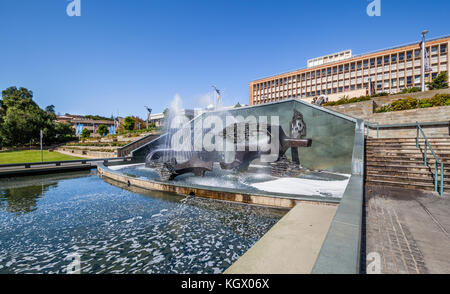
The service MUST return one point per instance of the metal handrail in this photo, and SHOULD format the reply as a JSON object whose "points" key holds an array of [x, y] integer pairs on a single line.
{"points": [[436, 163], [63, 162], [377, 126]]}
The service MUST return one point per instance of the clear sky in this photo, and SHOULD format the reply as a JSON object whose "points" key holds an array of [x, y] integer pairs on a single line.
{"points": [[121, 55]]}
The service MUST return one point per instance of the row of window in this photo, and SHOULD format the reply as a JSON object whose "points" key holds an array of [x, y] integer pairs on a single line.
{"points": [[379, 61], [394, 83]]}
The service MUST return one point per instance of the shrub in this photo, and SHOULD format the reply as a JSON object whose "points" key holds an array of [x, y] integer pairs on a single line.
{"points": [[412, 103], [85, 133], [102, 130], [439, 82], [411, 90], [346, 100]]}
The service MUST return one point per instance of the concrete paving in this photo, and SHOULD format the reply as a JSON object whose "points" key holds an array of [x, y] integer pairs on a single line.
{"points": [[409, 229], [292, 245]]}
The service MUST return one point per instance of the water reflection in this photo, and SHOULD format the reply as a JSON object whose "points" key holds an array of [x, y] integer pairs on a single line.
{"points": [[23, 199], [117, 230]]}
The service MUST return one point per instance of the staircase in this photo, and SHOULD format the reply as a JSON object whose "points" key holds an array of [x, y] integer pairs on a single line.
{"points": [[398, 162]]}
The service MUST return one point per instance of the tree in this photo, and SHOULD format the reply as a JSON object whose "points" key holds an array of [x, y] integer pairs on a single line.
{"points": [[439, 82], [21, 120], [129, 123], [64, 132], [102, 130], [85, 133], [50, 109]]}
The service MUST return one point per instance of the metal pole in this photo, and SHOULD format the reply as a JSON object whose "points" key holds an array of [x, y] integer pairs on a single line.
{"points": [[442, 178], [42, 155], [436, 176], [417, 138], [423, 60], [425, 153]]}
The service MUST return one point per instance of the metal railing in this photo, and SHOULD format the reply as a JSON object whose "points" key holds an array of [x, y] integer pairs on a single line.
{"points": [[65, 162], [377, 126], [436, 163]]}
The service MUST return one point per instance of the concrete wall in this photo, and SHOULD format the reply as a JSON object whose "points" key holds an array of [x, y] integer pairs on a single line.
{"points": [[365, 110], [86, 153]]}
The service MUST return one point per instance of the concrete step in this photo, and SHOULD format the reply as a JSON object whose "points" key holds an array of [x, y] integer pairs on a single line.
{"points": [[406, 168], [413, 139], [405, 176], [405, 164], [405, 156], [414, 181], [436, 148], [441, 156], [417, 186]]}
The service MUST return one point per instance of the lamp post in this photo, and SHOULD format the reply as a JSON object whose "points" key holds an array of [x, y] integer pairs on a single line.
{"points": [[423, 59]]}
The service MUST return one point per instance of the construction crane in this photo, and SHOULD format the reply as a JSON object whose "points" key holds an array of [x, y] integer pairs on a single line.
{"points": [[149, 110]]}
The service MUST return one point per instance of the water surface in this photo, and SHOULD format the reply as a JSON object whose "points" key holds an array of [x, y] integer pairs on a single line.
{"points": [[45, 219]]}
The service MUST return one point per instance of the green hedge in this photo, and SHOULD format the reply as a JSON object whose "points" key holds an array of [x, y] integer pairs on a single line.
{"points": [[413, 103], [346, 100]]}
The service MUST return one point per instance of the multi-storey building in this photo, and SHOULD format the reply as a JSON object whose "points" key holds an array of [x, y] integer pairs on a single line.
{"points": [[341, 74]]}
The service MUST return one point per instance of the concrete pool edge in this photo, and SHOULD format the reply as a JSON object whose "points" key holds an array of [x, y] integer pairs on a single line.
{"points": [[271, 200], [341, 250]]}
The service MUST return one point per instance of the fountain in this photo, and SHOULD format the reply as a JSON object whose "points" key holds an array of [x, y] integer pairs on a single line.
{"points": [[199, 162]]}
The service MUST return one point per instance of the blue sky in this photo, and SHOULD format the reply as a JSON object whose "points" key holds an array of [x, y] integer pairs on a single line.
{"points": [[121, 55]]}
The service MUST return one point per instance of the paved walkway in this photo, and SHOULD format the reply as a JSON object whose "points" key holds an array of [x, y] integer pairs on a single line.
{"points": [[409, 229]]}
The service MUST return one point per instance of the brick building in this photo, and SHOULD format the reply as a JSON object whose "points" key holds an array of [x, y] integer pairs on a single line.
{"points": [[341, 74]]}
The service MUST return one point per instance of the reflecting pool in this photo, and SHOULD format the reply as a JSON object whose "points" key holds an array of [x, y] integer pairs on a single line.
{"points": [[45, 219]]}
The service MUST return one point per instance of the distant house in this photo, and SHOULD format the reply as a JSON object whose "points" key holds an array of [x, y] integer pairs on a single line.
{"points": [[80, 121]]}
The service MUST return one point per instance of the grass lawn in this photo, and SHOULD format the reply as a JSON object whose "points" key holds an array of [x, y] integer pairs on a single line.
{"points": [[32, 156]]}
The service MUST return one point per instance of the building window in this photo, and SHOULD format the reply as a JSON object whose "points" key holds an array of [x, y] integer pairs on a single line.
{"points": [[409, 55], [372, 62], [324, 72], [335, 69], [329, 91], [313, 75], [386, 59], [341, 68], [313, 93], [366, 63], [409, 80], [416, 54], [394, 58], [346, 68], [379, 61], [352, 66], [359, 65], [443, 48], [318, 74], [401, 56], [329, 71], [308, 75], [417, 79]]}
